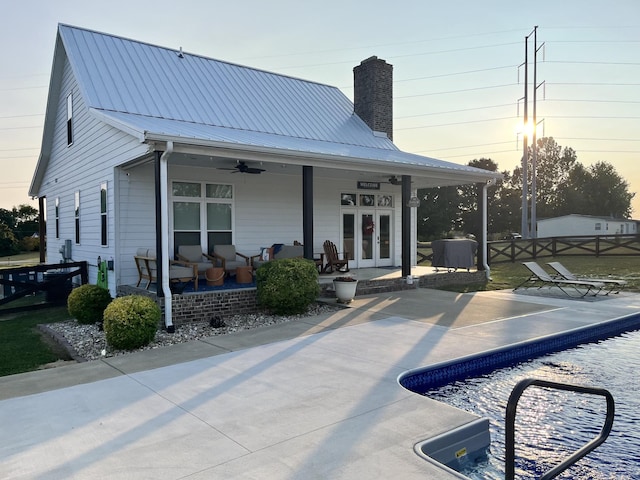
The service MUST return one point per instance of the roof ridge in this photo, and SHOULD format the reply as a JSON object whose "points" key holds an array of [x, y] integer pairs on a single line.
{"points": [[204, 57]]}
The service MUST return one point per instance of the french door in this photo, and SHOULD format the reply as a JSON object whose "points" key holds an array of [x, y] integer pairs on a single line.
{"points": [[367, 237]]}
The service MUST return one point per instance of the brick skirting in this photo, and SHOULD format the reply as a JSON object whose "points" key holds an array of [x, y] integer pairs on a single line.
{"points": [[198, 307]]}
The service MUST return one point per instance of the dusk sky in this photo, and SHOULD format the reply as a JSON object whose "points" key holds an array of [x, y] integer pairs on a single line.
{"points": [[458, 75]]}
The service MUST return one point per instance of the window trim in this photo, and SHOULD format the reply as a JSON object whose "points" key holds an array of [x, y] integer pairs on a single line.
{"points": [[203, 201], [76, 196], [70, 119], [104, 215], [57, 216]]}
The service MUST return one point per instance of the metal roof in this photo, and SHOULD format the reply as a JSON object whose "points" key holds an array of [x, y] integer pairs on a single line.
{"points": [[154, 93], [121, 75]]}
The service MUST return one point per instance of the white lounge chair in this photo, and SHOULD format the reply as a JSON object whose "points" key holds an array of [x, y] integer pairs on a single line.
{"points": [[611, 284], [540, 277]]}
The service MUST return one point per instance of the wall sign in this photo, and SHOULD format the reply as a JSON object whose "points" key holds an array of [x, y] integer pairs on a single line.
{"points": [[369, 185]]}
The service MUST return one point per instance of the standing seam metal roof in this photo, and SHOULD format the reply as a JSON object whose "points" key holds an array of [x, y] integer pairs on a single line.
{"points": [[121, 75]]}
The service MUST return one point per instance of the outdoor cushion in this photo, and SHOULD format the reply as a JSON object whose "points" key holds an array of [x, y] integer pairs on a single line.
{"points": [[193, 254]]}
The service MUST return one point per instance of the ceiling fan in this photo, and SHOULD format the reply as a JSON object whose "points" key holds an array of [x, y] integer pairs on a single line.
{"points": [[393, 180], [242, 167]]}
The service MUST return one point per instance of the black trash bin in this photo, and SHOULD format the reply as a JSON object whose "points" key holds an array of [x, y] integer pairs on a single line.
{"points": [[59, 287]]}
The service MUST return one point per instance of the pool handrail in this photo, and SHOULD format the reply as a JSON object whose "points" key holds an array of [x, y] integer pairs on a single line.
{"points": [[509, 457]]}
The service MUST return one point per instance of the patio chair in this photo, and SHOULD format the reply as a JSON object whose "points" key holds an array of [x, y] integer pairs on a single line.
{"points": [[611, 284], [147, 266], [541, 277], [193, 254], [333, 260], [226, 256]]}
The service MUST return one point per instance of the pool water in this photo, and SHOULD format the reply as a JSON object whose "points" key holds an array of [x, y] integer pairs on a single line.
{"points": [[551, 425]]}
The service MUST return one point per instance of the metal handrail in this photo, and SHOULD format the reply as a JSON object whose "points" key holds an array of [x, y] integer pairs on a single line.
{"points": [[567, 462]]}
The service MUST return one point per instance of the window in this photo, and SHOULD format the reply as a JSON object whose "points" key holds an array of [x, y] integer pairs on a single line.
{"points": [[57, 217], [103, 214], [598, 226], [77, 216], [202, 214], [69, 119]]}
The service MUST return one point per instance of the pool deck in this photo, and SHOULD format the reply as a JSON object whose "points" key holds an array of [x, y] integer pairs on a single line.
{"points": [[311, 399]]}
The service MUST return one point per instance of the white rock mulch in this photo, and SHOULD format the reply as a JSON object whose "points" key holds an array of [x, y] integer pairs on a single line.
{"points": [[88, 342]]}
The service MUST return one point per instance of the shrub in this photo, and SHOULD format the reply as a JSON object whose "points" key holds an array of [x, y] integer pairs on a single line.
{"points": [[87, 303], [131, 322], [287, 286]]}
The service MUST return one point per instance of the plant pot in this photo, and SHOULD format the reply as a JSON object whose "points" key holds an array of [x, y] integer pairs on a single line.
{"points": [[345, 290]]}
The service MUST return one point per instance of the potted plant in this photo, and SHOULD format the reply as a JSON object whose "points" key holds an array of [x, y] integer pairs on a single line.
{"points": [[345, 288]]}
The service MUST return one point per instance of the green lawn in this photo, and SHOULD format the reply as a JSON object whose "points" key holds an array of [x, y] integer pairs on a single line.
{"points": [[509, 275], [24, 348]]}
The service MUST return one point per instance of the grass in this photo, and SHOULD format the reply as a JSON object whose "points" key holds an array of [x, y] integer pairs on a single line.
{"points": [[21, 259], [24, 347], [510, 275]]}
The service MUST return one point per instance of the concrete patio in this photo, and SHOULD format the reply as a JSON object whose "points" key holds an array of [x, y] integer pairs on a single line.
{"points": [[310, 399]]}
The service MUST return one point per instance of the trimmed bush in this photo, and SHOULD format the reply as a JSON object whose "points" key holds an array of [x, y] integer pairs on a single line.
{"points": [[287, 286], [87, 303], [131, 322]]}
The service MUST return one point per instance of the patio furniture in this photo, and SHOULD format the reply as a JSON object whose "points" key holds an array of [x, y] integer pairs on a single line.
{"points": [[611, 284], [214, 276], [333, 260], [146, 263], [244, 274], [194, 255], [276, 252], [227, 257], [541, 277]]}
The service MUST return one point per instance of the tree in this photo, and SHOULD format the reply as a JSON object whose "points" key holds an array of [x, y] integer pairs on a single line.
{"points": [[438, 213], [8, 242], [607, 193], [26, 221]]}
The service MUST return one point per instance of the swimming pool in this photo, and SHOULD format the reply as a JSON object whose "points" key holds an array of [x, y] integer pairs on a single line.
{"points": [[551, 425], [438, 376]]}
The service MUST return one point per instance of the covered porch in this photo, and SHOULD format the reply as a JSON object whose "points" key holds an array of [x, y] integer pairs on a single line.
{"points": [[231, 298]]}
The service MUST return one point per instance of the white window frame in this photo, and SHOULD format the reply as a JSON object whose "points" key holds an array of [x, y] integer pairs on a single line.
{"points": [[104, 215], [70, 119], [203, 200], [76, 215]]}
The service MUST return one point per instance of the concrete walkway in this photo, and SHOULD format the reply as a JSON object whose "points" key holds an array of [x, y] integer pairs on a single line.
{"points": [[311, 399]]}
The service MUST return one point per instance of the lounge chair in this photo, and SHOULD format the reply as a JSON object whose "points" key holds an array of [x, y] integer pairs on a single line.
{"points": [[541, 277], [179, 272], [226, 256], [611, 284]]}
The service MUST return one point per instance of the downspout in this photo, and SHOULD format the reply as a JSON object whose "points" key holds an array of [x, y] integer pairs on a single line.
{"points": [[164, 227], [485, 227]]}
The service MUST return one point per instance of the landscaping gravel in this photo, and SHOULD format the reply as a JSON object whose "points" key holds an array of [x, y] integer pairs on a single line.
{"points": [[87, 342]]}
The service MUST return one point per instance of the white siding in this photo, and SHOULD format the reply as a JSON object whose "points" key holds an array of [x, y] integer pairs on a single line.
{"points": [[82, 167], [580, 225]]}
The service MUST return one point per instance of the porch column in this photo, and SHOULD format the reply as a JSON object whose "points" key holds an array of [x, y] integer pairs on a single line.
{"points": [[307, 211], [42, 232], [482, 232], [406, 226], [160, 273]]}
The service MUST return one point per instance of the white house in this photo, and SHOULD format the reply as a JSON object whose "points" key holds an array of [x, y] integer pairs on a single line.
{"points": [[578, 225], [145, 146]]}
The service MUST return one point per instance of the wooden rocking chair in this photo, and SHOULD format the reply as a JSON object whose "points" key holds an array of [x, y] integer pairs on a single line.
{"points": [[334, 262]]}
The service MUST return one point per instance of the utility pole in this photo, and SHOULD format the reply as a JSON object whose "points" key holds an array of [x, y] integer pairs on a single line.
{"points": [[525, 148], [534, 159]]}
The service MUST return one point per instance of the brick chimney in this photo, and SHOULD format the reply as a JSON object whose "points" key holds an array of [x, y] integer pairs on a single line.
{"points": [[373, 94]]}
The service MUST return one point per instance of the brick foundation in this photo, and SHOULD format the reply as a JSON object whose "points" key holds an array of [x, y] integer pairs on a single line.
{"points": [[198, 307]]}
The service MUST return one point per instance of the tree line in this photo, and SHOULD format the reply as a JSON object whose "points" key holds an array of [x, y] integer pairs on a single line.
{"points": [[564, 186], [18, 230]]}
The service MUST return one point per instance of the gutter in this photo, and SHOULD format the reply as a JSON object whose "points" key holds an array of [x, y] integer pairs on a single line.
{"points": [[485, 228], [164, 229]]}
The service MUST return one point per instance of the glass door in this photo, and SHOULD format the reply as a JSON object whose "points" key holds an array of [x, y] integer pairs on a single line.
{"points": [[384, 239]]}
